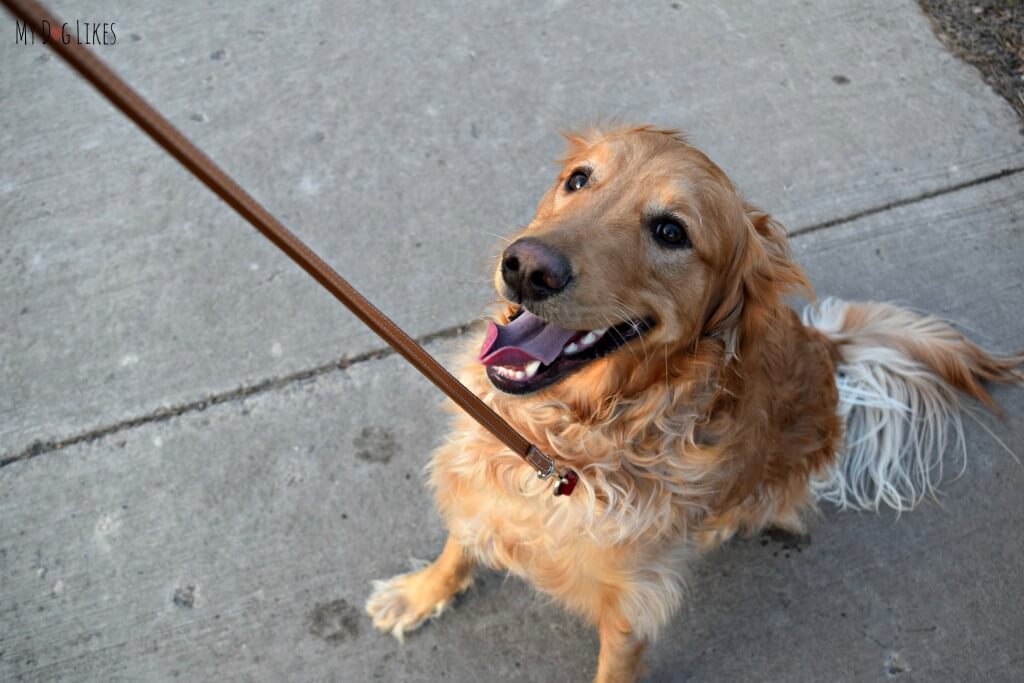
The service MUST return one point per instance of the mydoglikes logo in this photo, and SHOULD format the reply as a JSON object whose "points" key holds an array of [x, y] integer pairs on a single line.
{"points": [[81, 32]]}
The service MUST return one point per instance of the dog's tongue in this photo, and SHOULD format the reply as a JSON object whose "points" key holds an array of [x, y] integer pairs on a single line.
{"points": [[525, 339]]}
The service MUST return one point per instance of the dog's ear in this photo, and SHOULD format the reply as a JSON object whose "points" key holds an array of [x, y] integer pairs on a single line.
{"points": [[782, 271], [762, 272]]}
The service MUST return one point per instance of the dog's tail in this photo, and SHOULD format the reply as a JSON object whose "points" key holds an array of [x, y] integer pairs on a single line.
{"points": [[900, 377]]}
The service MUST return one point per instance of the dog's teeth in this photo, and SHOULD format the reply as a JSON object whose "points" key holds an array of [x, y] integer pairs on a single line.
{"points": [[571, 348], [509, 372], [590, 338], [519, 375], [532, 368]]}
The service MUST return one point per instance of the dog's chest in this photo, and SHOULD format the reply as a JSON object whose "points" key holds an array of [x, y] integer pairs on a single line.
{"points": [[514, 530], [498, 509]]}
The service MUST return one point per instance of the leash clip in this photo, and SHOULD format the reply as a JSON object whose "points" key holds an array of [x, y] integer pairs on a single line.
{"points": [[544, 465], [546, 469]]}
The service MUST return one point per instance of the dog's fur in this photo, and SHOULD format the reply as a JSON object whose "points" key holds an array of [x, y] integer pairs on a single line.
{"points": [[728, 416]]}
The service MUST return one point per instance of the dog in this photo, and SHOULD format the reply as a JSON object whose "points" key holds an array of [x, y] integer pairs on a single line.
{"points": [[643, 340]]}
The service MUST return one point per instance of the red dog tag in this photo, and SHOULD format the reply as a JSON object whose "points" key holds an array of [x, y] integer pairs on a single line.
{"points": [[566, 483]]}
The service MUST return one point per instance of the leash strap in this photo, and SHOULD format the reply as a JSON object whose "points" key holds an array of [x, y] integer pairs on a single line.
{"points": [[41, 21]]}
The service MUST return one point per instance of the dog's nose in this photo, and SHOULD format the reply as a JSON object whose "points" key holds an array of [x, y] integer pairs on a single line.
{"points": [[533, 270]]}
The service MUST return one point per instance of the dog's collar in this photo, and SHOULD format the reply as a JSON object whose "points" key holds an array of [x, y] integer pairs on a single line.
{"points": [[731, 340], [727, 330]]}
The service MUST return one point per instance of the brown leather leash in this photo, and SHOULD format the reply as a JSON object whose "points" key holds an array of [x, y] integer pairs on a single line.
{"points": [[48, 27]]}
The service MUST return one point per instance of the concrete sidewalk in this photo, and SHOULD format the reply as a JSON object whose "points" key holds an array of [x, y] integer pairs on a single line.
{"points": [[195, 489]]}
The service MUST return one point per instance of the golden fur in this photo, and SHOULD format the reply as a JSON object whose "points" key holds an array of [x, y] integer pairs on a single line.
{"points": [[713, 423]]}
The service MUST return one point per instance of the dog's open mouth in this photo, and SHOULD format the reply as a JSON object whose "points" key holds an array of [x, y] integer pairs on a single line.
{"points": [[529, 353]]}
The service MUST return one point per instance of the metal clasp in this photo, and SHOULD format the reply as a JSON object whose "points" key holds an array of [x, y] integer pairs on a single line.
{"points": [[544, 465]]}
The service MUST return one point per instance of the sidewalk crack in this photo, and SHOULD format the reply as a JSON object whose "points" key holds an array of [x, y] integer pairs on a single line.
{"points": [[164, 413], [924, 196], [39, 447]]}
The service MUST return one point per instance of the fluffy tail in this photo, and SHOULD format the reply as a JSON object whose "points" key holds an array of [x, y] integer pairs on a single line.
{"points": [[901, 377]]}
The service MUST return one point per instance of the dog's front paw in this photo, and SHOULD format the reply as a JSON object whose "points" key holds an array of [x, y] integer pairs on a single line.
{"points": [[402, 603]]}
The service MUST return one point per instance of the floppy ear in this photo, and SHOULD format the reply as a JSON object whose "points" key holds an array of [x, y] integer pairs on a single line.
{"points": [[761, 273], [782, 271]]}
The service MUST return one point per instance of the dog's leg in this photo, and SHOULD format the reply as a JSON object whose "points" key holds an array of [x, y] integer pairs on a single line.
{"points": [[402, 603], [619, 660]]}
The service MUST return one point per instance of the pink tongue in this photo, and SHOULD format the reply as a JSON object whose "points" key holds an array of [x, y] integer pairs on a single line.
{"points": [[525, 339]]}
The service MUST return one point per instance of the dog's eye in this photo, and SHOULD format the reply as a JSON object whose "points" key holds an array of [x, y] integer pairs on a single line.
{"points": [[577, 181], [670, 233]]}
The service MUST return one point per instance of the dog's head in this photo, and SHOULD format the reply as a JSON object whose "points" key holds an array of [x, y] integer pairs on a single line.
{"points": [[640, 249]]}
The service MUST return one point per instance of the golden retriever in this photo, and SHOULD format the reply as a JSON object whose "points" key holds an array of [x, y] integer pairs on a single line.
{"points": [[644, 343]]}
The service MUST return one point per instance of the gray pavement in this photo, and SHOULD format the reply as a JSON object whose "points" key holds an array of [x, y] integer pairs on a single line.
{"points": [[230, 491]]}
